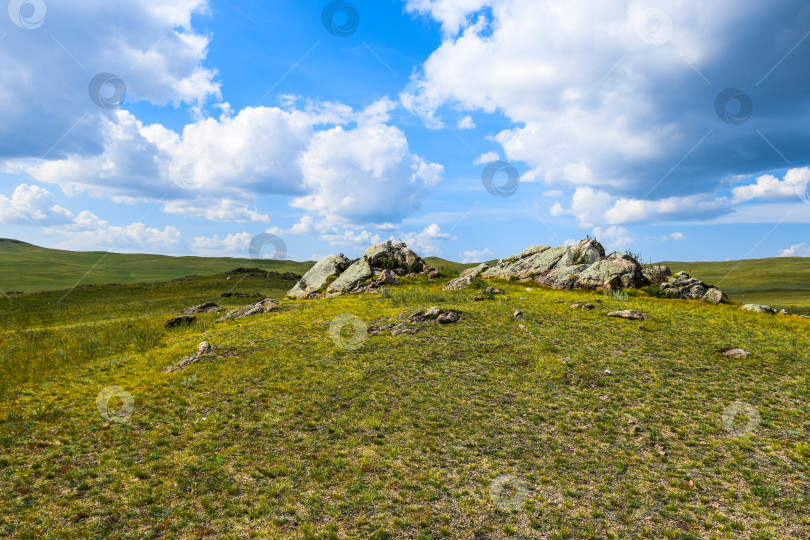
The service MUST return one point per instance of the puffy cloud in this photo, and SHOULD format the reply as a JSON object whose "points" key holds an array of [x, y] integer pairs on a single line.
{"points": [[592, 207], [232, 245], [88, 231], [796, 250], [365, 174], [768, 187], [489, 157], [426, 243], [601, 97], [45, 73], [32, 205], [217, 167], [466, 123], [613, 238], [477, 256], [552, 193]]}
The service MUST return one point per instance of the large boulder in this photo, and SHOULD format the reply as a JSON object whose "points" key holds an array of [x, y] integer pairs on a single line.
{"points": [[318, 276], [617, 271], [359, 271]]}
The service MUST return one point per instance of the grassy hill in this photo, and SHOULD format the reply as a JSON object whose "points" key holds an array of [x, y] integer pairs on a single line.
{"points": [[565, 424], [28, 268]]}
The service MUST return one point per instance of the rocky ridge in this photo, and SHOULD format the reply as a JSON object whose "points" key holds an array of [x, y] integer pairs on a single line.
{"points": [[380, 265]]}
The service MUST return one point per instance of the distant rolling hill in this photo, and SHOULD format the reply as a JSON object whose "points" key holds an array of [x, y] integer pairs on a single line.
{"points": [[780, 282], [28, 268]]}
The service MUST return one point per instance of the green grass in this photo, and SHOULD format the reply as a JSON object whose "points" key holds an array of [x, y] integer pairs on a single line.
{"points": [[781, 282], [284, 435]]}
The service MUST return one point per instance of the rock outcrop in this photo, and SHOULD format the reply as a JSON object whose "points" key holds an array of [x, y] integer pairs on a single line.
{"points": [[380, 265], [584, 265], [680, 285], [319, 275]]}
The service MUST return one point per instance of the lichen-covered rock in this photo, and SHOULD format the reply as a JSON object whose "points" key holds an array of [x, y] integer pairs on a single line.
{"points": [[267, 305], [618, 271], [657, 273], [391, 255], [318, 276], [449, 317], [475, 271], [208, 307], [359, 271], [459, 283], [758, 308]]}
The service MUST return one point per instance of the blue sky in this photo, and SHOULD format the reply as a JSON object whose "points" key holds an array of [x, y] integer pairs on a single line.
{"points": [[677, 130]]}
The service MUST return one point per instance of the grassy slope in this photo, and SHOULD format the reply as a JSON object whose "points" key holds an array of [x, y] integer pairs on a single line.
{"points": [[28, 268], [782, 282], [285, 435]]}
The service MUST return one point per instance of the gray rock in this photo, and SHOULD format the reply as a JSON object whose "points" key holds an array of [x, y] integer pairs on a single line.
{"points": [[349, 280], [387, 277], [267, 305], [208, 307], [656, 273], [394, 255], [179, 321], [475, 271], [714, 295], [518, 315], [318, 275], [494, 290], [449, 317], [629, 314], [203, 348], [784, 312], [459, 283], [433, 312], [618, 271], [758, 308]]}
